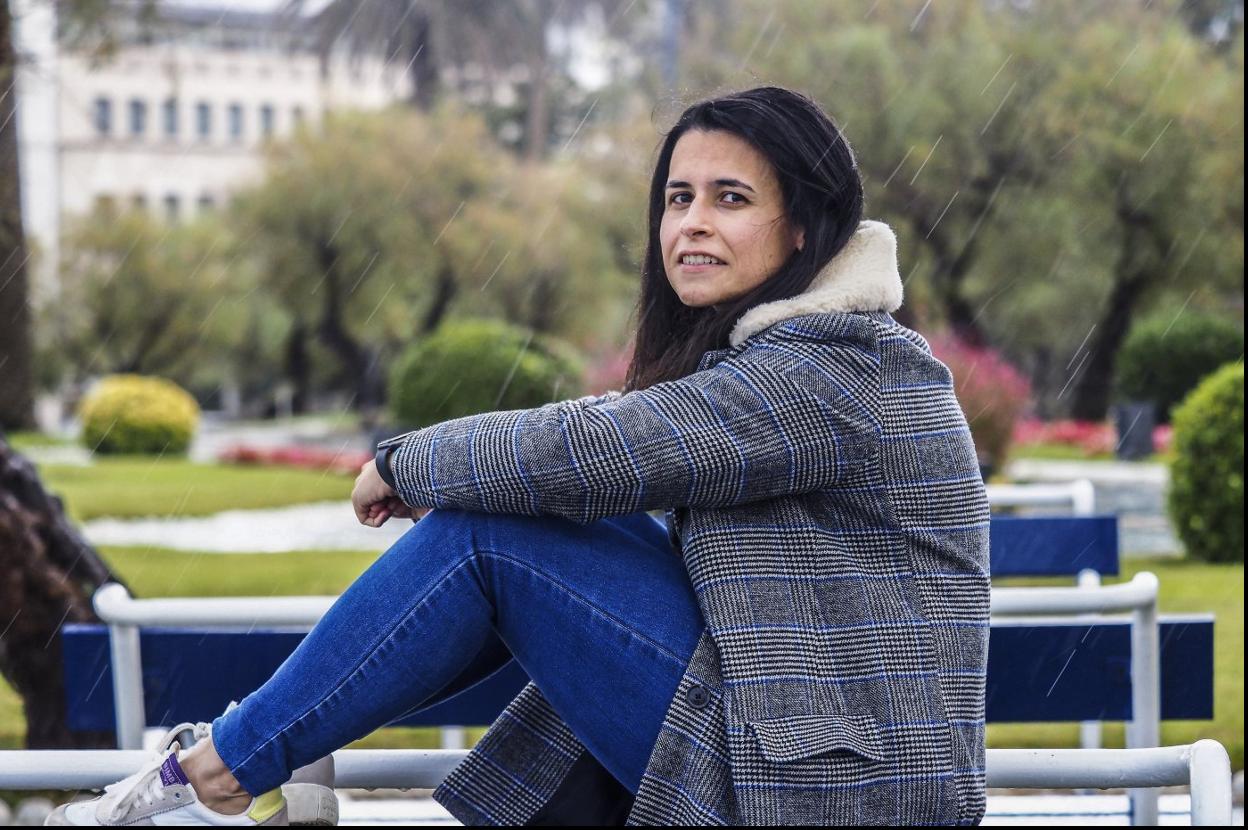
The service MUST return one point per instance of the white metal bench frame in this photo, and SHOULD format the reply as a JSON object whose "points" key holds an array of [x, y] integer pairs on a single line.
{"points": [[126, 615], [1080, 496], [1204, 766]]}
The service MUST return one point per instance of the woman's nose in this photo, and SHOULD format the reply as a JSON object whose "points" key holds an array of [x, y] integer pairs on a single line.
{"points": [[695, 221]]}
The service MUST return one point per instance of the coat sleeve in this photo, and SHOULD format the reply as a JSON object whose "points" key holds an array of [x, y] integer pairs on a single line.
{"points": [[765, 423]]}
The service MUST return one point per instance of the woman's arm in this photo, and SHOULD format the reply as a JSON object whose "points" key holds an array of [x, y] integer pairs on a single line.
{"points": [[776, 419]]}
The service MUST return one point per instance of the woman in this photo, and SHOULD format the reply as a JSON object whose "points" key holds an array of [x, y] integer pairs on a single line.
{"points": [[805, 641]]}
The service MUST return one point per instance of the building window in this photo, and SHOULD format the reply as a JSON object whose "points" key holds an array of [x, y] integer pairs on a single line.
{"points": [[266, 121], [171, 207], [138, 201], [103, 116], [206, 202], [236, 122], [296, 116], [138, 117], [203, 120], [170, 110]]}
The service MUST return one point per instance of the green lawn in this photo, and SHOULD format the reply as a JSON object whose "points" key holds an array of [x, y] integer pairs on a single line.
{"points": [[129, 487], [24, 439], [1065, 452]]}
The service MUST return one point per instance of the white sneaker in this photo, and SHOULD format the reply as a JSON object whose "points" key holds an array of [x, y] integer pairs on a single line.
{"points": [[160, 794], [310, 797]]}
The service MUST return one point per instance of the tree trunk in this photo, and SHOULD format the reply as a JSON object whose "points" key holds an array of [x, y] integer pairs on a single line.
{"points": [[1094, 389], [422, 69], [536, 128], [17, 409], [298, 367], [357, 361], [1145, 244], [444, 292], [47, 576]]}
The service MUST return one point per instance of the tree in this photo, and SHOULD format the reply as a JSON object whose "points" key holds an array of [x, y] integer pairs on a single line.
{"points": [[1152, 147], [349, 231], [16, 370], [1056, 168], [457, 38], [49, 572], [372, 232], [83, 24], [141, 296]]}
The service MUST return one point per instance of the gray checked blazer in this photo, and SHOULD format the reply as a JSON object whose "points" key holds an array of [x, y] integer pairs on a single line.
{"points": [[823, 490]]}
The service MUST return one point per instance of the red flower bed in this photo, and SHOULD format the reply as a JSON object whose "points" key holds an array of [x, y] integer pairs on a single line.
{"points": [[311, 458], [1093, 437]]}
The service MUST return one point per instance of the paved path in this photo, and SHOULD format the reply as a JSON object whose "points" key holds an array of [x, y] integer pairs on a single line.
{"points": [[317, 526]]}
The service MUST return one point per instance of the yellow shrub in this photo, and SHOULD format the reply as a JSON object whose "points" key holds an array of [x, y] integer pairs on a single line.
{"points": [[134, 414]]}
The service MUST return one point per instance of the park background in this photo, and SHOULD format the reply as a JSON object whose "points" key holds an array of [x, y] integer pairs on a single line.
{"points": [[1065, 180]]}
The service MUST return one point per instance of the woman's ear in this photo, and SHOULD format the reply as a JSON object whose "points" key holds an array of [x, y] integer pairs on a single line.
{"points": [[801, 238]]}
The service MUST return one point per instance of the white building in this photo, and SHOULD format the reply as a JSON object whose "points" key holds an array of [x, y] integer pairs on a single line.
{"points": [[177, 119]]}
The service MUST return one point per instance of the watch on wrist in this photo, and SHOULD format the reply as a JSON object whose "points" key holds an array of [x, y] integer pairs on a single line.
{"points": [[382, 459]]}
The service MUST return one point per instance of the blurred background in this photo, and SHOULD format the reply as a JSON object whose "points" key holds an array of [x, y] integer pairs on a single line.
{"points": [[240, 242]]}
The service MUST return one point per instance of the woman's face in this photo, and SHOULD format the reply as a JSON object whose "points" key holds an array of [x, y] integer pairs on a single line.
{"points": [[722, 199]]}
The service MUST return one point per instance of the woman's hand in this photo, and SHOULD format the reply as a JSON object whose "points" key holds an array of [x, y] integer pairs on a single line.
{"points": [[374, 501]]}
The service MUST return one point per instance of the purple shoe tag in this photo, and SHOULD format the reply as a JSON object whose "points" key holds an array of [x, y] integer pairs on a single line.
{"points": [[171, 772]]}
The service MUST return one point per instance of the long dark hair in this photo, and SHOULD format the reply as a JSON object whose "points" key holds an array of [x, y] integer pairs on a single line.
{"points": [[822, 192]]}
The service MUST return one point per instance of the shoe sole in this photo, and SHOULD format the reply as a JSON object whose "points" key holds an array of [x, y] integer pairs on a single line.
{"points": [[310, 805], [281, 818]]}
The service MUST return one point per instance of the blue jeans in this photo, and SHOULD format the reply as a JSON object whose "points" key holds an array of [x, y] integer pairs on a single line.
{"points": [[601, 617]]}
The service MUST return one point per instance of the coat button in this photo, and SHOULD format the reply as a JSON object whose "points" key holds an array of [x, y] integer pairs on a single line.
{"points": [[698, 696]]}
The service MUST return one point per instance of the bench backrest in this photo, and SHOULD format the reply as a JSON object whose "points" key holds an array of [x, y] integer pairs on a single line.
{"points": [[1061, 671], [1053, 545]]}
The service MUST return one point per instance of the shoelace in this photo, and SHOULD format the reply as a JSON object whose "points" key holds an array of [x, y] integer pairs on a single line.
{"points": [[133, 787]]}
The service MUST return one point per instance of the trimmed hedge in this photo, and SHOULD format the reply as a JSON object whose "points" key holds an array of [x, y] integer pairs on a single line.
{"points": [[138, 415], [471, 366], [1162, 360], [1206, 498]]}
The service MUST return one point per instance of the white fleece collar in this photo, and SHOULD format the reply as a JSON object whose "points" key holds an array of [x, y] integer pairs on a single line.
{"points": [[862, 277]]}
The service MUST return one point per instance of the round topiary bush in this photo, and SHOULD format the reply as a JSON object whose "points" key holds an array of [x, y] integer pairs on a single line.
{"points": [[472, 366], [1206, 499], [134, 414], [1163, 359]]}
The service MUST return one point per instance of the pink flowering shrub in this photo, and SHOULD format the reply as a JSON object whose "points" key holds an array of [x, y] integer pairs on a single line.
{"points": [[608, 372], [312, 458], [993, 394]]}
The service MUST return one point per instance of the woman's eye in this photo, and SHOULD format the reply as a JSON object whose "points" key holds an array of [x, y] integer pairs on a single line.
{"points": [[676, 196]]}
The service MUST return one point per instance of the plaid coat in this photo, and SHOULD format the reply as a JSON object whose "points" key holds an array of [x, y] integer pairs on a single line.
{"points": [[823, 490]]}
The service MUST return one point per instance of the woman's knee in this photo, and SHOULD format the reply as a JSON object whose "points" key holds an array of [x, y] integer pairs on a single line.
{"points": [[440, 534]]}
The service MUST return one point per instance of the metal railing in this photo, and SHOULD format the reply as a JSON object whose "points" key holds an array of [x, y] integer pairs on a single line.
{"points": [[1204, 766], [1139, 597], [1080, 496]]}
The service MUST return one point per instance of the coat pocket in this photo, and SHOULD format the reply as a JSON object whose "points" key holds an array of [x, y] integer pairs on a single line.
{"points": [[796, 737]]}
